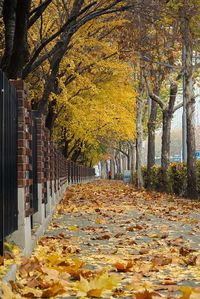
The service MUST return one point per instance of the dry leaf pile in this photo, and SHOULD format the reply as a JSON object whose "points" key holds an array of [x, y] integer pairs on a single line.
{"points": [[108, 240], [11, 256]]}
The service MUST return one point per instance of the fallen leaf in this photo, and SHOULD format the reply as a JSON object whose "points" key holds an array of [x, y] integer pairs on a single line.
{"points": [[124, 267], [161, 261], [97, 284], [73, 228], [146, 295], [54, 290]]}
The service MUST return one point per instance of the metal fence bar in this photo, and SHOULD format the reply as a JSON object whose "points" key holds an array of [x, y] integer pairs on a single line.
{"points": [[2, 150], [8, 160], [34, 164]]}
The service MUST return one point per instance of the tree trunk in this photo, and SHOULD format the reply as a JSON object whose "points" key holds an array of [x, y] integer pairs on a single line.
{"points": [[9, 18], [140, 181], [16, 15], [133, 158], [190, 106], [129, 158], [190, 115], [165, 152], [151, 140], [1, 7], [118, 166]]}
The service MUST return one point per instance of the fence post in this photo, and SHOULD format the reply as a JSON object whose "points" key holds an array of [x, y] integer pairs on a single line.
{"points": [[49, 202], [22, 236], [39, 216]]}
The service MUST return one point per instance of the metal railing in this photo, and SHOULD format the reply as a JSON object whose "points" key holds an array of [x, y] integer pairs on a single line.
{"points": [[8, 159]]}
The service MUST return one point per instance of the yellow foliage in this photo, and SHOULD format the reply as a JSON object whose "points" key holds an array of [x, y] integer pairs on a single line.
{"points": [[96, 286], [96, 98]]}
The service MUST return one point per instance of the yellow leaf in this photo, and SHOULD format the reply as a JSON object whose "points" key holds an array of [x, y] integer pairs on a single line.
{"points": [[54, 259], [73, 228], [97, 284], [7, 292], [189, 293], [100, 221]]}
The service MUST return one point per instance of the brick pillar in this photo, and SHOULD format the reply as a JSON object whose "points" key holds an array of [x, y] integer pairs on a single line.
{"points": [[40, 215], [52, 171], [22, 236]]}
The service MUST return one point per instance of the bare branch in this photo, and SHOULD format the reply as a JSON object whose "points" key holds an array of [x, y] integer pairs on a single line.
{"points": [[153, 96], [178, 106], [148, 59], [37, 12]]}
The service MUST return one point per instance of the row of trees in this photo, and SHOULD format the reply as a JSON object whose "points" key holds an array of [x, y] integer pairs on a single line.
{"points": [[164, 44], [68, 53], [85, 62], [161, 40]]}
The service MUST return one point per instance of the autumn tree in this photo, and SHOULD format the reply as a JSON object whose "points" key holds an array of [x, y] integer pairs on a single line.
{"points": [[187, 16], [153, 44], [51, 48], [186, 13]]}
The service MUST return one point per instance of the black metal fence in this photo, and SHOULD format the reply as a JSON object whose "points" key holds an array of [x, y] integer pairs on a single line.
{"points": [[8, 159], [34, 191], [21, 165]]}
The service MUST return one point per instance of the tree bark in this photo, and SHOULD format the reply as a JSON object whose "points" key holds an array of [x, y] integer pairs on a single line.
{"points": [[140, 181], [190, 105], [16, 15], [129, 158], [20, 53], [165, 151], [9, 18], [1, 7], [190, 115], [151, 140], [167, 114], [132, 158]]}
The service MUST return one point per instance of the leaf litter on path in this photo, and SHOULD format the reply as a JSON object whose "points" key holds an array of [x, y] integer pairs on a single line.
{"points": [[109, 240]]}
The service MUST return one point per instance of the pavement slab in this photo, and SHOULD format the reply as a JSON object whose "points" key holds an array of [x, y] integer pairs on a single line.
{"points": [[110, 240]]}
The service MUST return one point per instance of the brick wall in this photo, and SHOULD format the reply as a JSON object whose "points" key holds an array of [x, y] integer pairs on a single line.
{"points": [[24, 144], [52, 167]]}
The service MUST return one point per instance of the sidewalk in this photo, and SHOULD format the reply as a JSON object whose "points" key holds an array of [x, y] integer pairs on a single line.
{"points": [[108, 240]]}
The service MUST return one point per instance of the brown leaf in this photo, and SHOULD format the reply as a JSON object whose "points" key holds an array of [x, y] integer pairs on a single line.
{"points": [[103, 237], [144, 250], [164, 235], [54, 290], [134, 227], [124, 267], [119, 235], [185, 251], [191, 260], [8, 255], [161, 261], [145, 295]]}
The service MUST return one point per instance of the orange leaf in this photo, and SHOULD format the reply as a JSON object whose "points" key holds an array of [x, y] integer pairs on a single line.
{"points": [[96, 293], [124, 267], [145, 295]]}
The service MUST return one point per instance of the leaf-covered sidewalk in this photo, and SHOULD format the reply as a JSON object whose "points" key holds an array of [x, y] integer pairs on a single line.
{"points": [[108, 240]]}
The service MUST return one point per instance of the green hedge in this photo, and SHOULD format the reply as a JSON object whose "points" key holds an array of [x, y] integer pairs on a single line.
{"points": [[177, 178]]}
